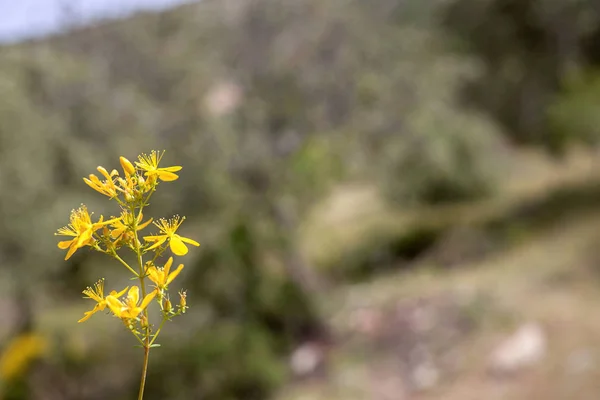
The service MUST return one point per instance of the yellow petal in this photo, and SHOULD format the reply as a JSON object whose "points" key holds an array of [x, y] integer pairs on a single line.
{"points": [[115, 233], [90, 183], [172, 169], [101, 223], [115, 305], [143, 225], [95, 180], [189, 241], [121, 293], [154, 275], [174, 274], [134, 295], [167, 176], [154, 238], [160, 241], [72, 250], [64, 244], [104, 172], [177, 246], [132, 312], [86, 316], [167, 266], [147, 299], [84, 238]]}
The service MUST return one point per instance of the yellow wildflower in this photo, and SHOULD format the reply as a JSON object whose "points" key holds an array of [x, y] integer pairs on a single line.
{"points": [[122, 224], [161, 276], [107, 187], [96, 293], [130, 308], [149, 163], [168, 229], [82, 230]]}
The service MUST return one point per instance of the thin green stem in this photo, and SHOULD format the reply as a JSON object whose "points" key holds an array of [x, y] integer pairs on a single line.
{"points": [[144, 372], [158, 331], [138, 339], [141, 276], [124, 263]]}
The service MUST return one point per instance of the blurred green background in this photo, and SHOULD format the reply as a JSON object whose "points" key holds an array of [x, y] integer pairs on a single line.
{"points": [[389, 194]]}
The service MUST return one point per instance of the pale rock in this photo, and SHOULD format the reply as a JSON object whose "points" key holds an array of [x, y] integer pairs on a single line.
{"points": [[306, 359], [425, 376], [524, 348]]}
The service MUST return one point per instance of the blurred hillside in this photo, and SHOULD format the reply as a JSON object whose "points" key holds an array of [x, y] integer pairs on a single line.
{"points": [[327, 146]]}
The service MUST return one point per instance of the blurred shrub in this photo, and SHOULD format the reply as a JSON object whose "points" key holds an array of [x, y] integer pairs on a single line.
{"points": [[441, 153], [227, 361], [527, 48], [573, 116], [446, 159]]}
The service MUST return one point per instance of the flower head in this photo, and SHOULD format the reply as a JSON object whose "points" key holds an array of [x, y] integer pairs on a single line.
{"points": [[96, 293], [161, 276], [149, 163], [82, 230], [123, 225], [168, 229], [106, 187], [131, 307]]}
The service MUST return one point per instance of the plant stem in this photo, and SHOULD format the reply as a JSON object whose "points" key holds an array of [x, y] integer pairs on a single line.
{"points": [[144, 371], [143, 288], [124, 263], [157, 331]]}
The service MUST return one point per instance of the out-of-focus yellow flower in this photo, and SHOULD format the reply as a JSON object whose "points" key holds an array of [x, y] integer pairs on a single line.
{"points": [[106, 187], [19, 354], [96, 293], [122, 224], [82, 230], [161, 276], [149, 163], [168, 229], [130, 308]]}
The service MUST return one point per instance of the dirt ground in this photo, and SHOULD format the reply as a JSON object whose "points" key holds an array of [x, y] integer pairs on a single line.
{"points": [[432, 333]]}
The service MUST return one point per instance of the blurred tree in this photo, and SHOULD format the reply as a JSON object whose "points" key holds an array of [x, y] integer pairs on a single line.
{"points": [[529, 50]]}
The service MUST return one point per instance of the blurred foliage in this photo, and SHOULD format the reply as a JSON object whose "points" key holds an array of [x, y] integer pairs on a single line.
{"points": [[573, 114]]}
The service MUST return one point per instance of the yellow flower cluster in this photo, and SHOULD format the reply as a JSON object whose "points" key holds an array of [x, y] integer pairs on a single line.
{"points": [[131, 191]]}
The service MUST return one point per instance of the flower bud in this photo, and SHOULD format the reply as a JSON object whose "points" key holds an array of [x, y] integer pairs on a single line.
{"points": [[127, 166], [182, 300], [167, 306], [151, 181]]}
